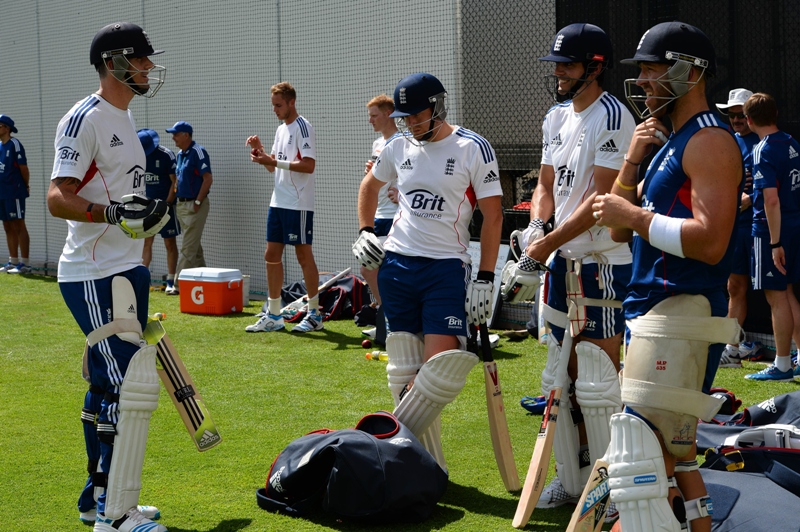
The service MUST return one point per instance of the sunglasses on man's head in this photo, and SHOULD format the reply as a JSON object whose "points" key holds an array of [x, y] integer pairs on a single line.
{"points": [[735, 115]]}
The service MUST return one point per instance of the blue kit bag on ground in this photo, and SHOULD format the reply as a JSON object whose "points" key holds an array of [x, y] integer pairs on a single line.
{"points": [[377, 472]]}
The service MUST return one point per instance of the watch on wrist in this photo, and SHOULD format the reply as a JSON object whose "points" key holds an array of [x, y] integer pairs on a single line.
{"points": [[198, 202]]}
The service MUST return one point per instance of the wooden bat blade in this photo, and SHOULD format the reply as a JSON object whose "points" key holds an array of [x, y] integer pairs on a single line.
{"points": [[590, 513], [540, 462], [182, 390], [498, 428]]}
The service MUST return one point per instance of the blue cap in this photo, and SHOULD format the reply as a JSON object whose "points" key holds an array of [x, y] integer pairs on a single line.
{"points": [[413, 94], [5, 119], [149, 140], [669, 41], [580, 43], [181, 127]]}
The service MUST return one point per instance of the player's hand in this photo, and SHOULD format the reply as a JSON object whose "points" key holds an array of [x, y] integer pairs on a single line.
{"points": [[254, 142], [368, 166], [138, 216], [393, 194], [779, 258], [649, 133], [520, 280], [534, 231], [479, 300], [613, 211], [368, 249]]}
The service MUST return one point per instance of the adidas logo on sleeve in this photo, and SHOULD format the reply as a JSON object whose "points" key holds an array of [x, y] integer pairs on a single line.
{"points": [[609, 147]]}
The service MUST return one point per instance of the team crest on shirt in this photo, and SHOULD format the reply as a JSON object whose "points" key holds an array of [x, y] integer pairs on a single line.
{"points": [[448, 167], [580, 139], [666, 159]]}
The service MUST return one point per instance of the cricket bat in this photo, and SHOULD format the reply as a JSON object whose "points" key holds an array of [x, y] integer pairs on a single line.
{"points": [[540, 461], [300, 304], [590, 512], [498, 425], [181, 389]]}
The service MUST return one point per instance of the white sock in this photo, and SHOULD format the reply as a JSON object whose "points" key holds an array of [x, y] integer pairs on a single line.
{"points": [[170, 277], [13, 260], [783, 363], [275, 306], [26, 260], [313, 303]]}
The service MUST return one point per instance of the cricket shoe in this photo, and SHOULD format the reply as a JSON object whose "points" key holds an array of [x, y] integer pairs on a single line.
{"points": [[369, 333], [534, 405], [752, 351], [266, 323], [554, 495], [132, 521], [20, 268], [771, 373], [312, 322], [730, 357], [172, 290], [150, 512], [7, 266]]}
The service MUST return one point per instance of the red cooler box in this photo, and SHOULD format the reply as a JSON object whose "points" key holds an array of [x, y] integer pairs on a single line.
{"points": [[210, 290]]}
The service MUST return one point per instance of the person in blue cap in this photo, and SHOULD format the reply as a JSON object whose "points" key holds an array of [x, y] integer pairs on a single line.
{"points": [[681, 219], [195, 178], [14, 188], [160, 183]]}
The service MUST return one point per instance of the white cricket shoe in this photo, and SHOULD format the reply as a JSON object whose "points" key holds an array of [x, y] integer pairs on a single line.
{"points": [[7, 266], [150, 512], [312, 322], [554, 495], [370, 333], [20, 268], [266, 323], [731, 358], [172, 290], [132, 521]]}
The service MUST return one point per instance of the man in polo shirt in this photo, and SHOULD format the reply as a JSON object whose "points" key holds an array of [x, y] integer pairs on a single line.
{"points": [[194, 183]]}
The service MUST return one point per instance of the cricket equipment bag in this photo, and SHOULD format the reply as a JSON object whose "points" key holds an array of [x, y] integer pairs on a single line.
{"points": [[377, 472], [340, 301]]}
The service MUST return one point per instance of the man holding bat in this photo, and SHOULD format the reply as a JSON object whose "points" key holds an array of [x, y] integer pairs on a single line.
{"points": [[98, 186], [291, 210], [681, 219], [584, 138], [443, 173]]}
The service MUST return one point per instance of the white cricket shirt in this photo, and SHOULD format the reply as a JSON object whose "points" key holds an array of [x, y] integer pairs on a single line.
{"points": [[294, 190], [386, 207]]}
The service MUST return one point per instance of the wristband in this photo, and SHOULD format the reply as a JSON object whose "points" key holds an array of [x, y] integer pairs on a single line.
{"points": [[775, 245], [625, 158], [283, 165], [89, 212], [368, 229], [484, 275], [623, 186], [665, 234]]}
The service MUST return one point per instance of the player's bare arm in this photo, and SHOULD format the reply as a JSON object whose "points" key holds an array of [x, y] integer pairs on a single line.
{"points": [[172, 189], [64, 202], [368, 200], [26, 175], [492, 210], [713, 162], [772, 208]]}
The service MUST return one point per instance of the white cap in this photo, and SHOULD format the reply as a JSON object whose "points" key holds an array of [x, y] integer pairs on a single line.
{"points": [[735, 97]]}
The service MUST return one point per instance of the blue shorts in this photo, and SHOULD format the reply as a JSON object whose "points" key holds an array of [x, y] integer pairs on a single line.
{"points": [[383, 226], [425, 295], [173, 226], [601, 322], [288, 226], [90, 304], [12, 209], [743, 247], [763, 273]]}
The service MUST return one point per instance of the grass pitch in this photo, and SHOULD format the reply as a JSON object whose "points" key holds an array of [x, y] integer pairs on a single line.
{"points": [[263, 391]]}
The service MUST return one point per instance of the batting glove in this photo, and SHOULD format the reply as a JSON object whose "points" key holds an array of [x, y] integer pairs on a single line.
{"points": [[520, 280], [534, 231], [138, 216], [479, 298], [368, 249]]}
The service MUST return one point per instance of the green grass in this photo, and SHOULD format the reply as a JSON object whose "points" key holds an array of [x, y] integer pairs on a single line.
{"points": [[263, 390]]}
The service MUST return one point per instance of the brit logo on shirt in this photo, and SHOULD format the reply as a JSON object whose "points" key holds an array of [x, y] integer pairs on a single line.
{"points": [[795, 175], [448, 168]]}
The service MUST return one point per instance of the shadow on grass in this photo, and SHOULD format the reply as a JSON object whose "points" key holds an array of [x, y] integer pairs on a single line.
{"points": [[229, 525], [441, 517]]}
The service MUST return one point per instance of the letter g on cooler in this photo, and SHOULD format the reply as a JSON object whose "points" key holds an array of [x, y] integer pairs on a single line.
{"points": [[197, 295]]}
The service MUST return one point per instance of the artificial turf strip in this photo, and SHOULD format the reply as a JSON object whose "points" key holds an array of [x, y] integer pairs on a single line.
{"points": [[263, 390]]}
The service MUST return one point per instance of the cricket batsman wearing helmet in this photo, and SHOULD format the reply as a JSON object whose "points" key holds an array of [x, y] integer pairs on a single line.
{"points": [[443, 173], [98, 186], [681, 219]]}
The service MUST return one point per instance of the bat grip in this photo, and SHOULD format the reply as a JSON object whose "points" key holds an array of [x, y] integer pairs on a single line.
{"points": [[486, 346]]}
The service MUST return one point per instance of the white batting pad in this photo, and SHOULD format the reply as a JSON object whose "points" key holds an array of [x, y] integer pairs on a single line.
{"points": [[405, 352], [773, 435], [431, 439], [598, 394], [637, 477], [438, 383], [124, 323], [551, 365], [138, 398]]}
